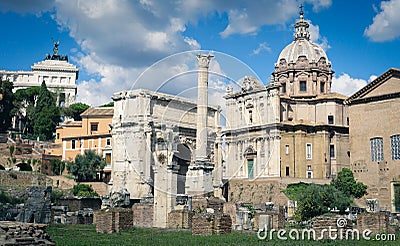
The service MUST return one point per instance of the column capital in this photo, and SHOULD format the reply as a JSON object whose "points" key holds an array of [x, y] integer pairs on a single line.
{"points": [[203, 60]]}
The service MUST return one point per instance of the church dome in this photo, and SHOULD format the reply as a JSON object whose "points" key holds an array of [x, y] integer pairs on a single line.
{"points": [[302, 45]]}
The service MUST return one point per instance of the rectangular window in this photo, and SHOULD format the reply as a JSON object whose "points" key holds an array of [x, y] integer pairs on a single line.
{"points": [[108, 158], [108, 141], [287, 172], [330, 120], [309, 168], [309, 175], [308, 151], [322, 87], [73, 144], [94, 127], [303, 86], [376, 145], [250, 170], [58, 135], [287, 149], [395, 147], [332, 150]]}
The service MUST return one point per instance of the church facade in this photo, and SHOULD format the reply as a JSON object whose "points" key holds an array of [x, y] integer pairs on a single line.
{"points": [[294, 127]]}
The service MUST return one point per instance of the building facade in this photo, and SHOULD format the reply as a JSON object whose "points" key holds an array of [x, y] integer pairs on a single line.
{"points": [[60, 77], [295, 126], [92, 133], [375, 140]]}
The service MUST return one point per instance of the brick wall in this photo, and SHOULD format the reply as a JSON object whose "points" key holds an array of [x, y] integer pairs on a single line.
{"points": [[209, 224], [259, 191], [143, 215], [325, 222], [180, 219], [230, 209], [113, 220], [375, 222]]}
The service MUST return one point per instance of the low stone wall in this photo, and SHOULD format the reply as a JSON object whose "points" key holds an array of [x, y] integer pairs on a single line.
{"points": [[273, 219], [375, 222], [230, 209], [259, 191], [209, 224], [143, 215], [79, 203], [113, 220], [322, 223], [19, 178], [17, 233], [181, 219]]}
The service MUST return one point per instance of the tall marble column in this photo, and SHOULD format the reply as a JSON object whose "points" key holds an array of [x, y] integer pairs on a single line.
{"points": [[199, 175], [202, 106]]}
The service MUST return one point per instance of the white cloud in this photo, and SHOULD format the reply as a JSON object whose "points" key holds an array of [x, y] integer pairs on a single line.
{"points": [[319, 4], [346, 85], [386, 24], [261, 47], [316, 37], [120, 39]]}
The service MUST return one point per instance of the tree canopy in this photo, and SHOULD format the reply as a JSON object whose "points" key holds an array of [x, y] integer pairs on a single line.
{"points": [[109, 104], [313, 199], [24, 101], [85, 166], [75, 110], [47, 114], [84, 190], [6, 105], [346, 183]]}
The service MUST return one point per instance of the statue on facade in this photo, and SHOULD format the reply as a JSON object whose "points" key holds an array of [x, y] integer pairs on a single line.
{"points": [[55, 55]]}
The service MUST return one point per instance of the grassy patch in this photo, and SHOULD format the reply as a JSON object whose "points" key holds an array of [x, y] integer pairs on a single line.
{"points": [[86, 235]]}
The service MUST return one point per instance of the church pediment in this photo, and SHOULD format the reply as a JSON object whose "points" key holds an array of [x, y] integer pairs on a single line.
{"points": [[386, 84]]}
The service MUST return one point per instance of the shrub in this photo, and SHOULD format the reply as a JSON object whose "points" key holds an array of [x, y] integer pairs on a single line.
{"points": [[84, 190]]}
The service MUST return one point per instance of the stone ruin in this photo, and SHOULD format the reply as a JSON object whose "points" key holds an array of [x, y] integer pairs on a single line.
{"points": [[17, 233], [115, 215], [116, 199], [37, 209]]}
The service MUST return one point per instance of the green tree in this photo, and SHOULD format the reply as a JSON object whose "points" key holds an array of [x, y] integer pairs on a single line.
{"points": [[47, 114], [75, 110], [109, 104], [346, 183], [6, 105], [85, 166], [25, 101], [317, 199], [57, 166], [84, 190]]}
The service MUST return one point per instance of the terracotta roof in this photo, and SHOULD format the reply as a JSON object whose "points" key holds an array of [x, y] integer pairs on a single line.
{"points": [[103, 111], [71, 124]]}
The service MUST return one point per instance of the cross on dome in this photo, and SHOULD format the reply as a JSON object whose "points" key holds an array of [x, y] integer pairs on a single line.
{"points": [[301, 27]]}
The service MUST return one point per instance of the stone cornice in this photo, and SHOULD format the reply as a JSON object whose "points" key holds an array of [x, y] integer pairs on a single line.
{"points": [[373, 99], [393, 72]]}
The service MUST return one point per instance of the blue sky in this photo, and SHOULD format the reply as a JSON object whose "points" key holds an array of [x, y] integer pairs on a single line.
{"points": [[112, 42]]}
